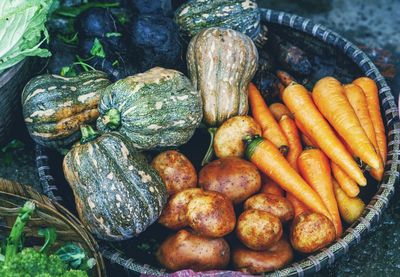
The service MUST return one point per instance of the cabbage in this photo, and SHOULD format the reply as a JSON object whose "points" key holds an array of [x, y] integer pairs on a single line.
{"points": [[22, 30]]}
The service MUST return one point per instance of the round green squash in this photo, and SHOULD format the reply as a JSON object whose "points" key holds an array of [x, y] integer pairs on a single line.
{"points": [[239, 15], [54, 106], [117, 193], [221, 63], [157, 108]]}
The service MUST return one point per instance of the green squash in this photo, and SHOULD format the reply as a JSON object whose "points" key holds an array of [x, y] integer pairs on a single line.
{"points": [[239, 15], [117, 193], [157, 108], [54, 106], [221, 63]]}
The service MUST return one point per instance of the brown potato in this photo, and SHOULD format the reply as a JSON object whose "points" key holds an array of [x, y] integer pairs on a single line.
{"points": [[177, 172], [255, 262], [186, 250], [211, 214], [311, 231], [236, 178], [174, 214], [277, 205], [258, 230], [228, 140]]}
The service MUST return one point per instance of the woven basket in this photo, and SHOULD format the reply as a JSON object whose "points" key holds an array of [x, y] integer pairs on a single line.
{"points": [[12, 82], [48, 213], [319, 40]]}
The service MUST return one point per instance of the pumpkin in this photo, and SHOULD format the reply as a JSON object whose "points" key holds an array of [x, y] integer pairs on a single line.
{"points": [[221, 63], [157, 108], [54, 106], [117, 193], [239, 15]]}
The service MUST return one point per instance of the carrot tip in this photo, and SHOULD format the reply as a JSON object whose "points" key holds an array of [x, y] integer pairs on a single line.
{"points": [[284, 149]]}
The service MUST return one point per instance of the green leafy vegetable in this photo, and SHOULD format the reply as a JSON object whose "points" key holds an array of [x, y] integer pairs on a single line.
{"points": [[50, 237], [97, 49], [75, 257], [69, 39], [68, 71], [22, 30], [113, 34]]}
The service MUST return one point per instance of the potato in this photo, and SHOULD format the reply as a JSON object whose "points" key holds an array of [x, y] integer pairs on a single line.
{"points": [[255, 262], [236, 178], [311, 231], [258, 230], [174, 214], [228, 140], [177, 172], [186, 250], [211, 214], [274, 204]]}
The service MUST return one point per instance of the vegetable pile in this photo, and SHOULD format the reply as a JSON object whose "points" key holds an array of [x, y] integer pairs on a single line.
{"points": [[285, 164], [16, 260]]}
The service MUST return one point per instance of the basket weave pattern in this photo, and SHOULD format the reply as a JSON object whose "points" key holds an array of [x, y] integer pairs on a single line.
{"points": [[373, 210]]}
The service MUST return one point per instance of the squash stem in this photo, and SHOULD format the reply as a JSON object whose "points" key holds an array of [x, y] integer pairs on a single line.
{"points": [[112, 119], [210, 151], [88, 134]]}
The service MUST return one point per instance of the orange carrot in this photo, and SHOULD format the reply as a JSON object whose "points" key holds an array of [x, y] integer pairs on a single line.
{"points": [[371, 92], [271, 162], [263, 116], [358, 101], [289, 128], [271, 187], [328, 96], [306, 140], [299, 102], [350, 208], [347, 184], [316, 171], [285, 78], [278, 110], [298, 206]]}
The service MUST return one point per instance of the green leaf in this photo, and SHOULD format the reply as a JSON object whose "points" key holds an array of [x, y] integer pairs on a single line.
{"points": [[115, 63], [72, 254], [68, 71], [14, 144], [50, 236], [113, 34], [69, 39], [97, 49]]}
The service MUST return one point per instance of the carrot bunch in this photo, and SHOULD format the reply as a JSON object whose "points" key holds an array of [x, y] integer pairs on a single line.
{"points": [[339, 126]]}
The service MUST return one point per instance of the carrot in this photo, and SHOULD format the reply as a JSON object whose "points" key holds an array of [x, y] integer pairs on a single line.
{"points": [[315, 169], [371, 92], [298, 206], [278, 110], [263, 116], [306, 140], [350, 208], [271, 162], [348, 185], [358, 101], [329, 97], [289, 128], [271, 187], [299, 102], [285, 78]]}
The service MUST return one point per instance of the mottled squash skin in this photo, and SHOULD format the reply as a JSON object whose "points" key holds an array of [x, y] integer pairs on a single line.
{"points": [[54, 106], [157, 108], [221, 63], [117, 193]]}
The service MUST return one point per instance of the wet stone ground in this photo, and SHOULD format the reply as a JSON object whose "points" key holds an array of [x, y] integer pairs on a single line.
{"points": [[371, 23]]}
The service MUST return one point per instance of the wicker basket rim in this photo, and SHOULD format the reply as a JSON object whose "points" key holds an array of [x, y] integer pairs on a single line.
{"points": [[373, 210]]}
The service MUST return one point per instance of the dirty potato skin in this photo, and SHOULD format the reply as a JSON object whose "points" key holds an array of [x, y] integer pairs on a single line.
{"points": [[311, 231], [228, 141], [255, 262], [177, 172], [186, 250], [174, 214], [236, 178], [277, 205], [211, 214], [258, 230]]}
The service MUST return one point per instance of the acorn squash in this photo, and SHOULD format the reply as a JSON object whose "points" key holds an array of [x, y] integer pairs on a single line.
{"points": [[54, 106], [157, 108], [117, 193]]}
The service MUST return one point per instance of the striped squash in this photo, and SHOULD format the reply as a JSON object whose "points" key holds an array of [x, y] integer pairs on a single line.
{"points": [[54, 106], [157, 108], [117, 193], [221, 64]]}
